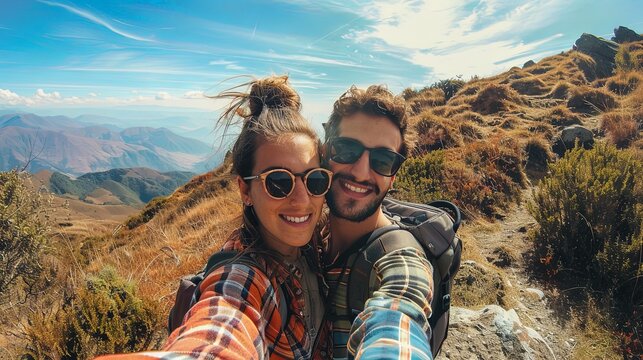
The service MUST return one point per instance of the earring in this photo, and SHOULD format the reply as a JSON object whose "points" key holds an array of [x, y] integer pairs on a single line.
{"points": [[248, 203]]}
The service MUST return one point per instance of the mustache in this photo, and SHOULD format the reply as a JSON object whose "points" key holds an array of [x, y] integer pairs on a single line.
{"points": [[338, 176]]}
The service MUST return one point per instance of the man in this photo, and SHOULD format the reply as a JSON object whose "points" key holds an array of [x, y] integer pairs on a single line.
{"points": [[367, 139]]}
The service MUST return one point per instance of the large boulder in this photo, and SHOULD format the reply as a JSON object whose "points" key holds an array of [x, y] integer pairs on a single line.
{"points": [[492, 333], [568, 136], [623, 35], [602, 51]]}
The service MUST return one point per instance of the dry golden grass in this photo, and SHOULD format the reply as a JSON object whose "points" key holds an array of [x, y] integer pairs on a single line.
{"points": [[585, 99], [425, 99], [620, 127], [624, 83], [560, 90], [530, 86], [435, 132], [559, 116]]}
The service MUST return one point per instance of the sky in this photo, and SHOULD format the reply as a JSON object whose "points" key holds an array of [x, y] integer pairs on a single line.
{"points": [[144, 60]]}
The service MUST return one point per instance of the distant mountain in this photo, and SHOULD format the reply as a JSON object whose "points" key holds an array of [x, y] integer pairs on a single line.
{"points": [[131, 186], [70, 146]]}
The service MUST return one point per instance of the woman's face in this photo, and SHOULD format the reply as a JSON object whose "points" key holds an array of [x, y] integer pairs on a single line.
{"points": [[285, 224]]}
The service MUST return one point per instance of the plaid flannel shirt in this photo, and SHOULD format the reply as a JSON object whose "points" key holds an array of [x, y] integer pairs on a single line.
{"points": [[395, 318], [237, 317]]}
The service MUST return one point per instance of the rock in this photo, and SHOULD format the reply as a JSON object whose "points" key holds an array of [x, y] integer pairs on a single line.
{"points": [[602, 51], [623, 35], [493, 333], [567, 139], [528, 64], [538, 293], [522, 229]]}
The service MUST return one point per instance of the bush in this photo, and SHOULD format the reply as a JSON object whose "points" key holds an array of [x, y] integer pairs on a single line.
{"points": [[23, 229], [104, 317], [589, 215], [621, 128], [449, 86], [588, 100], [420, 179], [151, 209]]}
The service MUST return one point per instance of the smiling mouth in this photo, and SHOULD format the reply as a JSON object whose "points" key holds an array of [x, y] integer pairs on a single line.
{"points": [[357, 189], [296, 219]]}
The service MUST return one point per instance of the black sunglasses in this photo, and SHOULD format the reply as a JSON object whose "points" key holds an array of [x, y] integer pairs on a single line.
{"points": [[383, 161], [280, 183]]}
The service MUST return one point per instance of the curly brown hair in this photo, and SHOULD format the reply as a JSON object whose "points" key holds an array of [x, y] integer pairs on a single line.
{"points": [[376, 100]]}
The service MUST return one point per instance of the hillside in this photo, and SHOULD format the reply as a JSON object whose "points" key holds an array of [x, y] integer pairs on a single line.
{"points": [[69, 146], [131, 186], [486, 143]]}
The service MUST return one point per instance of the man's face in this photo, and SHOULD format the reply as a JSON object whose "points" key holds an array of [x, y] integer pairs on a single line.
{"points": [[357, 191]]}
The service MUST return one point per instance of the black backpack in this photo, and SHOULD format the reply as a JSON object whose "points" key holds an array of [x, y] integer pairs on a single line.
{"points": [[434, 232], [188, 292]]}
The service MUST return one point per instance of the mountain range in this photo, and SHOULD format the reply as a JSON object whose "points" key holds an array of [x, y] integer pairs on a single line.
{"points": [[131, 186], [74, 147]]}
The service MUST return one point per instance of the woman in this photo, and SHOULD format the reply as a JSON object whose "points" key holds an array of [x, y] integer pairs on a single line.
{"points": [[276, 160]]}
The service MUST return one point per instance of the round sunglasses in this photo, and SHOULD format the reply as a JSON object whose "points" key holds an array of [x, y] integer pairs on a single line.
{"points": [[383, 161], [280, 183]]}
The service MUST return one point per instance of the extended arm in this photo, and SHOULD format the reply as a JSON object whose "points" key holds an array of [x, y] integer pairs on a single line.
{"points": [[394, 322], [228, 322]]}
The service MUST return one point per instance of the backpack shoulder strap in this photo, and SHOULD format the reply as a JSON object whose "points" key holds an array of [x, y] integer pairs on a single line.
{"points": [[382, 241]]}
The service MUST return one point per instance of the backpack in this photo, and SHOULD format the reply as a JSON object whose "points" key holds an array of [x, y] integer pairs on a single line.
{"points": [[434, 232], [188, 292]]}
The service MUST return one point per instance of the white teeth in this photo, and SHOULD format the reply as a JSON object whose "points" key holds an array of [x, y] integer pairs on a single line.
{"points": [[295, 219], [355, 189]]}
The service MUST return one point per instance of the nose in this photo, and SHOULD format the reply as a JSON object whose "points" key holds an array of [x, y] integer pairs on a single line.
{"points": [[299, 195], [361, 168]]}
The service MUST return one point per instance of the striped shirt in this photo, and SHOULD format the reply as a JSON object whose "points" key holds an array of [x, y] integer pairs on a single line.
{"points": [[394, 321], [237, 317]]}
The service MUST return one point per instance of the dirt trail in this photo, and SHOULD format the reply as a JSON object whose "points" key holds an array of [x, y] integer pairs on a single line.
{"points": [[533, 302]]}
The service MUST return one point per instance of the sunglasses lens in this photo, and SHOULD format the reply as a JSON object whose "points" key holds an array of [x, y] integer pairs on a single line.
{"points": [[384, 162], [346, 151], [279, 184], [317, 182]]}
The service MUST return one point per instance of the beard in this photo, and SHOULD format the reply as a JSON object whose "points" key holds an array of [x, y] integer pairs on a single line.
{"points": [[351, 210]]}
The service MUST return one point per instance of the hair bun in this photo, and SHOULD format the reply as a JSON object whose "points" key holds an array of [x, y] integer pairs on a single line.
{"points": [[273, 92]]}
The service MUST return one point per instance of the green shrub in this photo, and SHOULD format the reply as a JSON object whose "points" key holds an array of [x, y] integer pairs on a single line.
{"points": [[23, 230], [150, 210], [449, 86], [420, 179], [590, 216], [105, 316]]}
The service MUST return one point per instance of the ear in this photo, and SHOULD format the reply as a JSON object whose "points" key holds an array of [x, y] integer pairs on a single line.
{"points": [[390, 186], [244, 190]]}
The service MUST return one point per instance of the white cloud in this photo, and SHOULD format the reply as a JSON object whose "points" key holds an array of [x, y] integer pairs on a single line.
{"points": [[97, 20], [459, 37], [220, 62], [162, 95], [92, 94], [194, 95], [234, 67], [41, 98]]}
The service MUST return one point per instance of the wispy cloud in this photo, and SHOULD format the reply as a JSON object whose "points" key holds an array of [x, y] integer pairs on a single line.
{"points": [[42, 98], [464, 37], [97, 20]]}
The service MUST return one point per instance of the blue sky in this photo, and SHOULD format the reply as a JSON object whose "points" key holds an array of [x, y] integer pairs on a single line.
{"points": [[142, 59]]}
